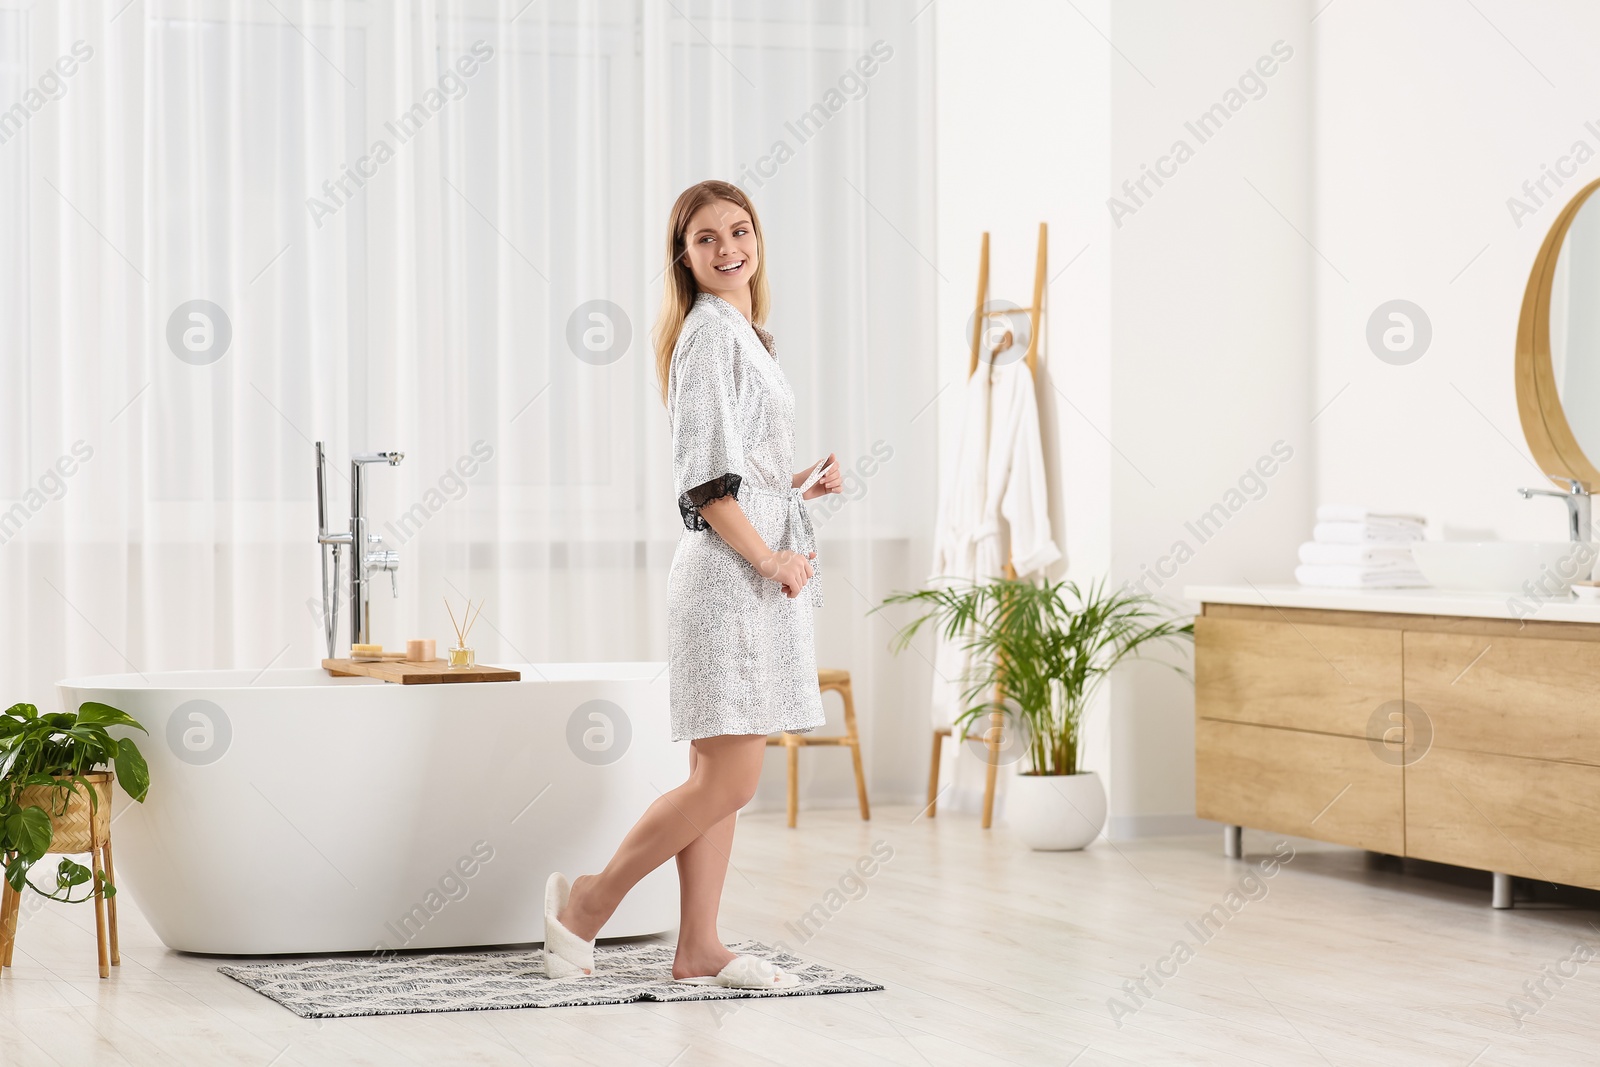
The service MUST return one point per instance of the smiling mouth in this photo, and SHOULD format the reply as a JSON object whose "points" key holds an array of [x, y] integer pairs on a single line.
{"points": [[731, 268]]}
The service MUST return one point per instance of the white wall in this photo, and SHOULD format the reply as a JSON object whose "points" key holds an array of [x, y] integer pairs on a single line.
{"points": [[1178, 347], [1229, 310], [1429, 115], [1210, 356], [1024, 138]]}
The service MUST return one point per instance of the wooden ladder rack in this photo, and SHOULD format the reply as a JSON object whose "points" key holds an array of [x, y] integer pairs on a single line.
{"points": [[980, 319]]}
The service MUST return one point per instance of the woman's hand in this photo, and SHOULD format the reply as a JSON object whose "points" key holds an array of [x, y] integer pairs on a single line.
{"points": [[789, 569], [830, 482]]}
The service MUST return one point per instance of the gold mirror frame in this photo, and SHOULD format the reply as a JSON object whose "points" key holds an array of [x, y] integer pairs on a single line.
{"points": [[1544, 421]]}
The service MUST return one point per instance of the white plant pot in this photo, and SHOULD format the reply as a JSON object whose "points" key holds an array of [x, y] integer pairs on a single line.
{"points": [[1054, 812]]}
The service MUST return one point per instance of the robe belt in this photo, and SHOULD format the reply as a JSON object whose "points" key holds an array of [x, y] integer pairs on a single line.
{"points": [[798, 534]]}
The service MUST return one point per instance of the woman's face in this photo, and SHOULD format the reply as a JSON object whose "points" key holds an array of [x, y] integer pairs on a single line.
{"points": [[720, 248]]}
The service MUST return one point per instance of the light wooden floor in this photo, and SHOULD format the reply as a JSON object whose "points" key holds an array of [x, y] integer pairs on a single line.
{"points": [[991, 955]]}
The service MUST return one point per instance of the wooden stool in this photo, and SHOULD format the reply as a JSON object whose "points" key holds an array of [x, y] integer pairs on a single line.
{"points": [[992, 745], [75, 832], [826, 680]]}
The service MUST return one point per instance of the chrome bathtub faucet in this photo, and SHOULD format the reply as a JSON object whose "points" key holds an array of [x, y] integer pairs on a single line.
{"points": [[374, 560], [1578, 501]]}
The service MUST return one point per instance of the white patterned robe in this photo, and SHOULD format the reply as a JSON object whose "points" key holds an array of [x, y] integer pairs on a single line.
{"points": [[741, 654]]}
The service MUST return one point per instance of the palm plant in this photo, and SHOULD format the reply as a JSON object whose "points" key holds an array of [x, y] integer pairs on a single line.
{"points": [[1045, 647]]}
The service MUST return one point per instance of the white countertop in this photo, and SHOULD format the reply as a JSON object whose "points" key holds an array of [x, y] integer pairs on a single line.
{"points": [[1404, 601]]}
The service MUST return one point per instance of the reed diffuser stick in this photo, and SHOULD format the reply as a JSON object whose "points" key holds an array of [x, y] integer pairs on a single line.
{"points": [[469, 615], [453, 622]]}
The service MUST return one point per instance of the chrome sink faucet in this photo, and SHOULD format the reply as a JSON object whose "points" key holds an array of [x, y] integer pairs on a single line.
{"points": [[1578, 500], [369, 557]]}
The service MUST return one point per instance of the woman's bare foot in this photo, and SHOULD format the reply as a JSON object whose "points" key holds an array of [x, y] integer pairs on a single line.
{"points": [[583, 915], [700, 961]]}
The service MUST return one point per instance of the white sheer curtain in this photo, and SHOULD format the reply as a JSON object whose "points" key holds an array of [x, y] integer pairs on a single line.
{"points": [[437, 228]]}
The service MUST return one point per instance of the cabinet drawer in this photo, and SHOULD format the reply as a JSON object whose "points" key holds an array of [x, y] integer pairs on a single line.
{"points": [[1291, 782], [1519, 696], [1533, 818], [1332, 679]]}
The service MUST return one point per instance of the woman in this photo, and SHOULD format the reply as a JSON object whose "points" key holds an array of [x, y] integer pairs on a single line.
{"points": [[741, 654]]}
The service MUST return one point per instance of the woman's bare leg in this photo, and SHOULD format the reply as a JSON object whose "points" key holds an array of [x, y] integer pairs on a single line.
{"points": [[722, 780], [702, 868]]}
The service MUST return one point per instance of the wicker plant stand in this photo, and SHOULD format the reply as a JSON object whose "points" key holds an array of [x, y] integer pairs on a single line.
{"points": [[76, 831]]}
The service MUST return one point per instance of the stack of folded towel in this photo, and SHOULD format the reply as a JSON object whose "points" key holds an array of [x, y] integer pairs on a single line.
{"points": [[1354, 548]]}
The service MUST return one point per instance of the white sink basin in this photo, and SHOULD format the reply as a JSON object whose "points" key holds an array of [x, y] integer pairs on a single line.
{"points": [[1506, 566]]}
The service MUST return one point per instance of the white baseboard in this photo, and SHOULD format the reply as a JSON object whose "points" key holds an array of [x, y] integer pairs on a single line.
{"points": [[1118, 827], [1126, 827]]}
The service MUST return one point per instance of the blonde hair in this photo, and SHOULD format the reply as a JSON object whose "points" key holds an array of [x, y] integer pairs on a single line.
{"points": [[679, 289]]}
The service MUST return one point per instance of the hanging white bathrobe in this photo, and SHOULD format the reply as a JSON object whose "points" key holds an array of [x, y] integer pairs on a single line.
{"points": [[998, 473]]}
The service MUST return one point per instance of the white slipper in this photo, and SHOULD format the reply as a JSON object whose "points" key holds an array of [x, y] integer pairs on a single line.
{"points": [[748, 972], [566, 955]]}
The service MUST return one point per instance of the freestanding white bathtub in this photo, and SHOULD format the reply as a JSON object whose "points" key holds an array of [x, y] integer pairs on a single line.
{"points": [[293, 812]]}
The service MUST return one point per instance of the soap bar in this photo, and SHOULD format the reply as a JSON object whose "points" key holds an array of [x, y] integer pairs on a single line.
{"points": [[420, 650]]}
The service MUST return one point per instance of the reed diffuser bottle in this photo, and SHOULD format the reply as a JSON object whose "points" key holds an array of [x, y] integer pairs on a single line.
{"points": [[463, 657]]}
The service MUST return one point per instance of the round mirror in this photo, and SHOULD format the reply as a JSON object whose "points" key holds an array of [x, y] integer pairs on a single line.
{"points": [[1575, 327], [1558, 346]]}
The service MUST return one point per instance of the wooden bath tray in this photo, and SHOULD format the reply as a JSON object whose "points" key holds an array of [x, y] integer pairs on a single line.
{"points": [[407, 673]]}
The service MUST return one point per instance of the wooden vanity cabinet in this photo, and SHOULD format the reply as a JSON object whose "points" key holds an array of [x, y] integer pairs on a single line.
{"points": [[1467, 741], [1281, 736]]}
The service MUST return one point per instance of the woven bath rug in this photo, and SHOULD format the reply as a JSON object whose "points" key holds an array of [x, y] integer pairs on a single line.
{"points": [[334, 988]]}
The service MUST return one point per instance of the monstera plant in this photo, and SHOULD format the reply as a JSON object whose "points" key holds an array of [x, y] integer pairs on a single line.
{"points": [[43, 763]]}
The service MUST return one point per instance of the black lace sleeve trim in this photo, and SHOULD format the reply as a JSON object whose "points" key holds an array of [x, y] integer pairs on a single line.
{"points": [[692, 500]]}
